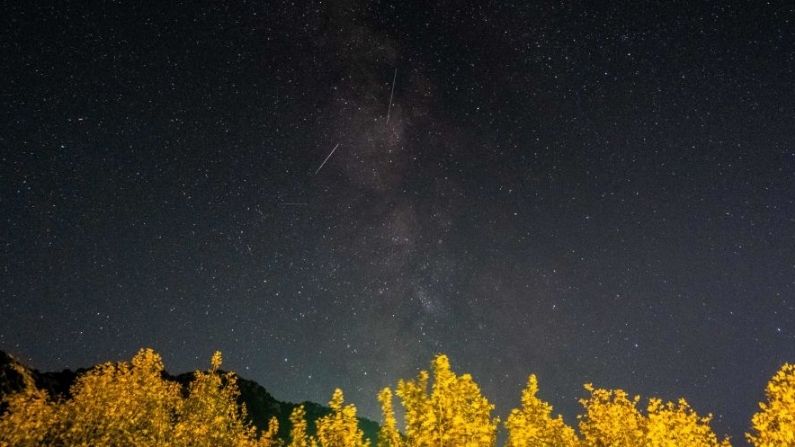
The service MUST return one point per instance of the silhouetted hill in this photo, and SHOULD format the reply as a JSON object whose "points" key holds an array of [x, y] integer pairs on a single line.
{"points": [[261, 405], [56, 383]]}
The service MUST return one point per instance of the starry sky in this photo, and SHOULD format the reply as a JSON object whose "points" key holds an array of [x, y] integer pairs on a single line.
{"points": [[591, 192]]}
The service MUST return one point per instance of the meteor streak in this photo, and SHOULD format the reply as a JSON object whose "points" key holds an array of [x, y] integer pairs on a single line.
{"points": [[327, 157]]}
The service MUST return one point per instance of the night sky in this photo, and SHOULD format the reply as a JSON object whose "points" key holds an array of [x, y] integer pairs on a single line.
{"points": [[592, 193]]}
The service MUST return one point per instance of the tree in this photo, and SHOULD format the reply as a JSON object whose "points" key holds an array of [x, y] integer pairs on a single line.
{"points": [[131, 403], [210, 415], [388, 435], [774, 424], [298, 432], [121, 404], [413, 395], [341, 427], [30, 417], [454, 414], [611, 419], [532, 425], [269, 438], [676, 424]]}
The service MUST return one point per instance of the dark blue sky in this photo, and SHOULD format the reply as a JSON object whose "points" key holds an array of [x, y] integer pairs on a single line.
{"points": [[592, 193]]}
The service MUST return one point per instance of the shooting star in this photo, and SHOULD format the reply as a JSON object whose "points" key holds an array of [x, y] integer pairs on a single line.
{"points": [[327, 157], [391, 95]]}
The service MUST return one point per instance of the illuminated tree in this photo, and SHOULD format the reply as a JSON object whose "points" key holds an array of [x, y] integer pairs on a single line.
{"points": [[611, 419], [298, 432], [121, 404], [269, 437], [132, 404], [210, 415], [413, 395], [774, 424], [532, 425], [388, 435], [30, 416], [676, 424], [454, 414], [341, 427]]}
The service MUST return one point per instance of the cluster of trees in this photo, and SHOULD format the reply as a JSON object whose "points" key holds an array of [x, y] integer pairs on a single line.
{"points": [[132, 404]]}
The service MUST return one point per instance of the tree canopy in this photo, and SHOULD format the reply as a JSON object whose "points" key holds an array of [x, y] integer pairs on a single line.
{"points": [[134, 404]]}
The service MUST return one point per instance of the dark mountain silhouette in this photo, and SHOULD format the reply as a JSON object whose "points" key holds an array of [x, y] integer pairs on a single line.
{"points": [[260, 404]]}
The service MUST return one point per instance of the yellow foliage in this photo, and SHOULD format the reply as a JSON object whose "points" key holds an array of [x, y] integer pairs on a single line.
{"points": [[298, 432], [210, 415], [131, 404], [454, 414], [30, 416], [388, 435], [269, 438], [532, 425], [774, 424], [122, 404], [611, 419], [676, 424], [341, 427]]}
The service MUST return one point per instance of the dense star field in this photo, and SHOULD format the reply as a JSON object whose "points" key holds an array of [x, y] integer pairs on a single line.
{"points": [[591, 193]]}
